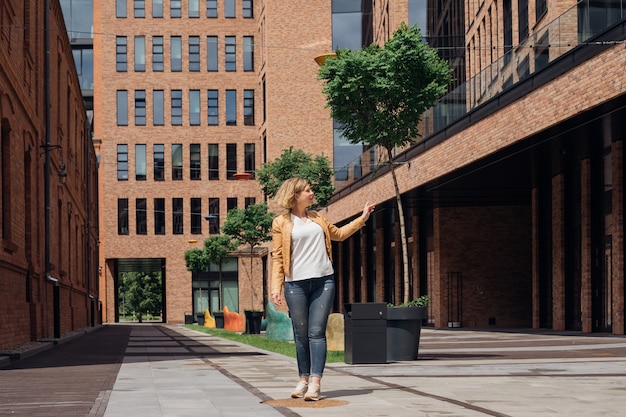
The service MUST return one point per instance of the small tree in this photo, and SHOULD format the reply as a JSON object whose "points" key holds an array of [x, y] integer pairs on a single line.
{"points": [[296, 163], [217, 248], [378, 95], [250, 226]]}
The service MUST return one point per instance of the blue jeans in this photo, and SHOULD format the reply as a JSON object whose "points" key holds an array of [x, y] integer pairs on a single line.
{"points": [[309, 303]]}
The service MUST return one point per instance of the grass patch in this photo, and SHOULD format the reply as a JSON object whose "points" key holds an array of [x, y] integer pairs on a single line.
{"points": [[260, 341]]}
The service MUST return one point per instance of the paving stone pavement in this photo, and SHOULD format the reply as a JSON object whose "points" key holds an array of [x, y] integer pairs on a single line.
{"points": [[152, 370]]}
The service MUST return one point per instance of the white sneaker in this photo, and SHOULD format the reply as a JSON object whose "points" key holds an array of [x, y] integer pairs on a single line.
{"points": [[313, 393], [300, 389]]}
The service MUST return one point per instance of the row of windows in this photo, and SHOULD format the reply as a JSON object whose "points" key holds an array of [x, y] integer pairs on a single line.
{"points": [[178, 214], [176, 53], [176, 107], [177, 166], [176, 8]]}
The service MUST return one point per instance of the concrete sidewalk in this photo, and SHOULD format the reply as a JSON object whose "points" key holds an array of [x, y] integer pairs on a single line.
{"points": [[169, 370]]}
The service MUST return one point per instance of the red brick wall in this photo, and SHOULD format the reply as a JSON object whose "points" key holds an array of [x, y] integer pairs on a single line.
{"points": [[26, 310], [491, 248]]}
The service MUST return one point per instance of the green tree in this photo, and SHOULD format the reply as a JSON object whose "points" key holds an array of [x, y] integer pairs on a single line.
{"points": [[216, 250], [379, 94], [142, 292], [297, 163], [250, 226]]}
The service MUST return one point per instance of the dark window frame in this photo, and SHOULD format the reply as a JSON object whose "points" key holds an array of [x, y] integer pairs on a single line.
{"points": [[122, 216], [195, 165], [122, 162], [121, 54], [141, 216]]}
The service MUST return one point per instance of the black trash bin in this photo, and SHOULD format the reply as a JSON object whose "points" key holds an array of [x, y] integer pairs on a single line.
{"points": [[200, 319], [219, 319], [188, 318], [365, 333]]}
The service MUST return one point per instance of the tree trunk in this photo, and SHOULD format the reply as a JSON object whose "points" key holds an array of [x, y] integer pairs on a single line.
{"points": [[403, 242]]}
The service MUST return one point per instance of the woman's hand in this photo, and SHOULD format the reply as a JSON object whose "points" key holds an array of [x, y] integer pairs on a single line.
{"points": [[367, 210], [276, 299]]}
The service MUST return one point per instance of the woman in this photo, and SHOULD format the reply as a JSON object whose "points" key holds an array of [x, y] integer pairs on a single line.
{"points": [[301, 265]]}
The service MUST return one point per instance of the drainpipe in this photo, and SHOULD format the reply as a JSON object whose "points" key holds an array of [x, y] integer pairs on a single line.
{"points": [[48, 146]]}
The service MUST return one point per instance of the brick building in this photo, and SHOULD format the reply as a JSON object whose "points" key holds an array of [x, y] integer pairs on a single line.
{"points": [[188, 94], [48, 172], [515, 193]]}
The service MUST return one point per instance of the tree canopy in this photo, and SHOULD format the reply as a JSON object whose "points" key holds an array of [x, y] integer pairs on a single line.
{"points": [[317, 170], [249, 226], [379, 94]]}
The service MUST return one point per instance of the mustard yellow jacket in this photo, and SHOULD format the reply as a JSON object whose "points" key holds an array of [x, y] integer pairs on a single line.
{"points": [[281, 243]]}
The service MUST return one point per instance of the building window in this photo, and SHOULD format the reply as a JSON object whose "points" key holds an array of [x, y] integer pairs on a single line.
{"points": [[211, 8], [140, 53], [159, 216], [140, 8], [246, 8], [231, 160], [122, 162], [249, 158], [196, 216], [194, 53], [194, 8], [231, 203], [158, 103], [177, 107], [248, 107], [522, 19], [175, 8], [249, 201], [121, 57], [157, 53], [141, 218], [157, 8], [212, 108], [122, 108], [248, 53], [120, 8], [194, 107], [83, 58], [214, 216], [211, 53], [122, 216], [159, 162], [214, 169], [229, 8], [176, 53], [231, 107], [195, 169], [177, 216], [542, 52], [230, 51], [5, 179], [540, 8], [140, 162], [177, 162], [140, 107]]}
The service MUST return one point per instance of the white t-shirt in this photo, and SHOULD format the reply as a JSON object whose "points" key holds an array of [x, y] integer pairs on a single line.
{"points": [[309, 258]]}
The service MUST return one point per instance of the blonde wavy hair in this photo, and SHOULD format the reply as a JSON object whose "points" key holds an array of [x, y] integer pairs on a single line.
{"points": [[285, 196]]}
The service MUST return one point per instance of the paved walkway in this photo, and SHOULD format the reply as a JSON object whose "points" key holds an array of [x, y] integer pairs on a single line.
{"points": [[171, 371]]}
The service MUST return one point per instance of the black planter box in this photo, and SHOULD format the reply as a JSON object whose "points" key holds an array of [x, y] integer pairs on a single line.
{"points": [[404, 325], [254, 319]]}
